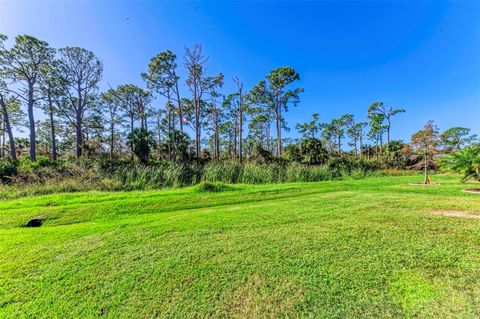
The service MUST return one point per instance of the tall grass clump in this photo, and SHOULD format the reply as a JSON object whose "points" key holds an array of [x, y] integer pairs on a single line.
{"points": [[223, 172], [44, 176], [303, 173], [138, 177]]}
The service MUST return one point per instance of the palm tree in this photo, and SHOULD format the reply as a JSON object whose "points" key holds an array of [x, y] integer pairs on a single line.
{"points": [[465, 161]]}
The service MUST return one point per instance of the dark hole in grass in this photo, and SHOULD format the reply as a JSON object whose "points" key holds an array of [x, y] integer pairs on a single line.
{"points": [[35, 222]]}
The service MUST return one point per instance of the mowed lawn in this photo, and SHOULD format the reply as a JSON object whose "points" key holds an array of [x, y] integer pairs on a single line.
{"points": [[337, 249]]}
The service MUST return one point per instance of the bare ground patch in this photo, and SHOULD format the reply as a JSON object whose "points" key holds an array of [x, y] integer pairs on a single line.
{"points": [[454, 213], [472, 191]]}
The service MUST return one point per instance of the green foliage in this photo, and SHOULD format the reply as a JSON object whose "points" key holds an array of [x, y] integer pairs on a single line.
{"points": [[309, 129], [465, 161], [141, 141], [260, 155], [395, 156], [7, 170], [292, 153], [313, 152], [456, 137]]}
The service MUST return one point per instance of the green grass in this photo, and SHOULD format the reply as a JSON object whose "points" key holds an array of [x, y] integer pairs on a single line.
{"points": [[334, 249]]}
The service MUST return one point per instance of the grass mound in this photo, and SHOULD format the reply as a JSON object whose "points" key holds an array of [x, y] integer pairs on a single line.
{"points": [[208, 187]]}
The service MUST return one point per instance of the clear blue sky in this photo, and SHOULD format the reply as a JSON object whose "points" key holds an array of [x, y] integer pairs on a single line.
{"points": [[421, 56]]}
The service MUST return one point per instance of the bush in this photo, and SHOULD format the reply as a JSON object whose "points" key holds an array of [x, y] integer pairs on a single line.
{"points": [[7, 170], [292, 153], [261, 155], [141, 142], [313, 152]]}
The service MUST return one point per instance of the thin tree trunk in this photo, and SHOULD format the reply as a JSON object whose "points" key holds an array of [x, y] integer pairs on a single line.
{"points": [[8, 128], [425, 179], [78, 123], [198, 133], [4, 137], [267, 132], [361, 152], [216, 136], [240, 110], [159, 131], [230, 145], [169, 111], [112, 139], [355, 142], [240, 138], [180, 113], [31, 121], [52, 135], [235, 134], [279, 134], [339, 145], [79, 139], [197, 119], [388, 132], [52, 126]]}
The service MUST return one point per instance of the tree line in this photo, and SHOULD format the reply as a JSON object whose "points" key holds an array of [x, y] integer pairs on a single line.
{"points": [[126, 121]]}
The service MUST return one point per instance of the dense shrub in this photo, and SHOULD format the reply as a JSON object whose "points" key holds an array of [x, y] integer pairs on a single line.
{"points": [[292, 153], [7, 170], [313, 152], [141, 142], [261, 155]]}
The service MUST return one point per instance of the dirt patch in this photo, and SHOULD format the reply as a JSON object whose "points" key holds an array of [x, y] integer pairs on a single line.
{"points": [[454, 213], [472, 191]]}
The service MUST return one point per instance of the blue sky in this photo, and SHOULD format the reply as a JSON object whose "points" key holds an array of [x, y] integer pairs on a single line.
{"points": [[421, 56]]}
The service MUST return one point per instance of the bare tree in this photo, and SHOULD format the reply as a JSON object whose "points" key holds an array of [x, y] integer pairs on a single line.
{"points": [[195, 62], [199, 84]]}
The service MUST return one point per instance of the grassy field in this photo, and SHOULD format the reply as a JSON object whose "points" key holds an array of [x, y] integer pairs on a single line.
{"points": [[337, 249]]}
